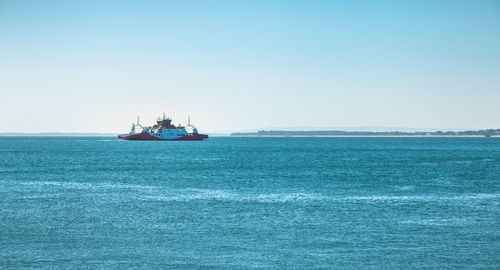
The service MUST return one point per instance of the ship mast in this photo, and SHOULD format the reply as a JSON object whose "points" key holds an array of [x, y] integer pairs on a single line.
{"points": [[137, 124], [193, 127]]}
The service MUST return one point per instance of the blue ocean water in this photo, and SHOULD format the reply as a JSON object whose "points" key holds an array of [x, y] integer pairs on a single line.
{"points": [[233, 203]]}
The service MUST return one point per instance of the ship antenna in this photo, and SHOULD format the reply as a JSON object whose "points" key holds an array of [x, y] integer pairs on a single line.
{"points": [[189, 120], [137, 120]]}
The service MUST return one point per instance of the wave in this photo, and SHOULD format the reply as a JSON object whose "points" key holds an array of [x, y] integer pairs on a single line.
{"points": [[438, 221], [159, 193], [224, 195], [86, 185], [404, 188]]}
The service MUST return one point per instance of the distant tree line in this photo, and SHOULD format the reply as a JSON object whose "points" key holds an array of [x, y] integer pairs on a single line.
{"points": [[485, 132]]}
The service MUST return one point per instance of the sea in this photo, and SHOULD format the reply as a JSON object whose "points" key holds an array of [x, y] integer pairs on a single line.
{"points": [[250, 203]]}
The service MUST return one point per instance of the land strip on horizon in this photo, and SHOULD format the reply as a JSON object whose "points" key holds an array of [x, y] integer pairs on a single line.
{"points": [[340, 133]]}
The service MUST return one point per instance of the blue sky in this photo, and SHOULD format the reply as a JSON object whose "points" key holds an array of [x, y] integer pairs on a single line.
{"points": [[93, 66]]}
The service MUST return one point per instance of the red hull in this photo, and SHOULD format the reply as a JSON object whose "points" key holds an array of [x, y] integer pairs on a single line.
{"points": [[144, 136]]}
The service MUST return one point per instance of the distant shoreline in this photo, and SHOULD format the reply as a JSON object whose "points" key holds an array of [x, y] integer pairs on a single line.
{"points": [[342, 133], [360, 136]]}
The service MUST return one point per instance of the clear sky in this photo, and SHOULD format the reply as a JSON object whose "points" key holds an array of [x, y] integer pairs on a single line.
{"points": [[93, 66]]}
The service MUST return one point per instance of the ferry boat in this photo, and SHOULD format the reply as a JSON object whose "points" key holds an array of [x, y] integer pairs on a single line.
{"points": [[164, 130]]}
